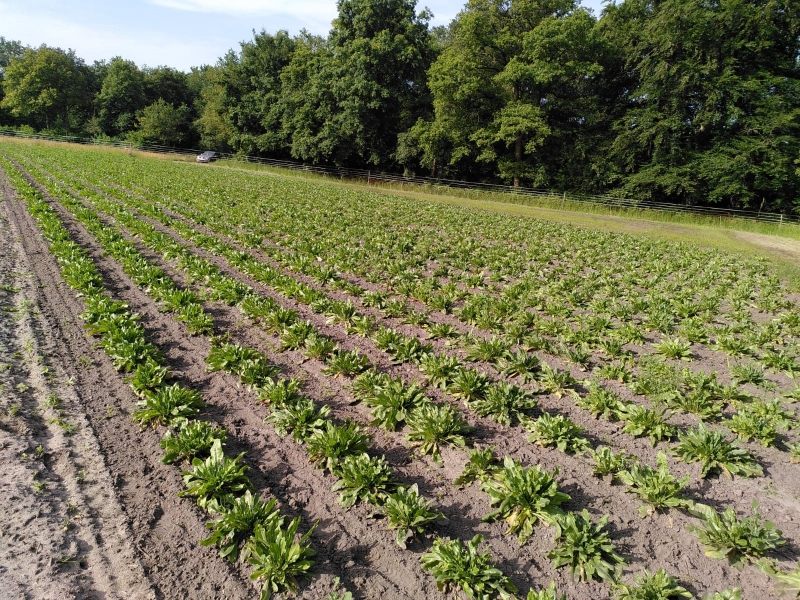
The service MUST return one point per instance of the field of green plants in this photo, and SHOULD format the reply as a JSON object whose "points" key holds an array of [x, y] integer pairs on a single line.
{"points": [[369, 395]]}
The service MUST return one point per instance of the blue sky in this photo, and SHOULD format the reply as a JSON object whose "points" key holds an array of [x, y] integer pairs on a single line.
{"points": [[176, 33]]}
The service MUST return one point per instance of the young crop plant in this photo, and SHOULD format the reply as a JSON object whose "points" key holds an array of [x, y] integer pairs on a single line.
{"points": [[606, 462], [215, 480], [749, 425], [410, 350], [675, 348], [295, 335], [616, 371], [231, 357], [278, 558], [410, 514], [790, 580], [710, 448], [318, 346], [488, 350], [557, 431], [482, 464], [585, 547], [346, 363], [301, 417], [365, 478], [237, 523], [548, 593], [127, 348], [147, 377], [794, 452], [328, 447], [658, 487], [640, 421], [554, 381], [193, 439], [503, 403], [442, 331], [729, 594], [468, 384], [698, 402], [168, 405], [392, 402], [432, 426], [520, 364], [463, 566], [439, 370], [727, 537], [280, 392], [656, 586], [524, 496], [748, 373], [730, 344], [601, 402]]}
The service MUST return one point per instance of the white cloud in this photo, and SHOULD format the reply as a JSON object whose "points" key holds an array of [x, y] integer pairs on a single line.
{"points": [[92, 43]]}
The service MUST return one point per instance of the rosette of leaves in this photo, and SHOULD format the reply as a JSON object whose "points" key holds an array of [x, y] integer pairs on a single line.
{"points": [[455, 565], [749, 425], [229, 357], [555, 381], [148, 376], [520, 364], [585, 547], [641, 421], [392, 402], [333, 443], [601, 403], [656, 586], [675, 348], [658, 487], [468, 384], [480, 467], [725, 536], [557, 431], [790, 580], [216, 477], [280, 392], [194, 438], [548, 593], [409, 513], [301, 417], [278, 559], [710, 448], [523, 495], [439, 370], [237, 523], [363, 477], [729, 594], [346, 363], [433, 425], [168, 405], [504, 402], [606, 462]]}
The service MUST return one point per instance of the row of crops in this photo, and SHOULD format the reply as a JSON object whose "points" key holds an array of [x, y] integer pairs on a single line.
{"points": [[661, 372]]}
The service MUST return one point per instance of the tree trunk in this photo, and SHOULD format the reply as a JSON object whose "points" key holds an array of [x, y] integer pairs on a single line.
{"points": [[518, 155]]}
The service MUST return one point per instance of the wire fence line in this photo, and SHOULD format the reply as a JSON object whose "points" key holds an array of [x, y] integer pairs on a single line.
{"points": [[371, 176]]}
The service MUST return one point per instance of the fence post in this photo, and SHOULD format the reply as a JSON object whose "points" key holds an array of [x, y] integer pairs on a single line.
{"points": [[369, 176], [781, 223], [130, 148], [563, 200]]}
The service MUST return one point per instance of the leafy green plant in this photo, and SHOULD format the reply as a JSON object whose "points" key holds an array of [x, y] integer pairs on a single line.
{"points": [[167, 405], [729, 594], [658, 487], [656, 586], [215, 478], [148, 376], [748, 373], [279, 392], [520, 364], [333, 443], [194, 438], [237, 523], [347, 363], [557, 431], [318, 346], [524, 496], [675, 348], [432, 425], [301, 417], [480, 467], [554, 381], [409, 513], [277, 557], [601, 403], [738, 540], [456, 565], [789, 579], [585, 547], [438, 331], [548, 593], [439, 370], [606, 462], [640, 421], [362, 477], [504, 402], [715, 453], [392, 402], [749, 425], [468, 384]]}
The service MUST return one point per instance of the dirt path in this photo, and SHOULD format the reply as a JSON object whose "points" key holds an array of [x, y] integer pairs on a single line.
{"points": [[783, 247]]}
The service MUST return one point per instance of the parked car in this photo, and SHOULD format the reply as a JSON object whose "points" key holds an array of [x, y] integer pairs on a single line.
{"points": [[207, 157]]}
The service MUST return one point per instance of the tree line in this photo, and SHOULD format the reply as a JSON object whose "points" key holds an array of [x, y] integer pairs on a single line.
{"points": [[685, 101]]}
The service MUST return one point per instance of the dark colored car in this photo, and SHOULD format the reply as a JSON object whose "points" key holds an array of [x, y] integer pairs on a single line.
{"points": [[207, 157]]}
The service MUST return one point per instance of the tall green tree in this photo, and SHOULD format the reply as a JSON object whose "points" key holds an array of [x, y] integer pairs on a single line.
{"points": [[164, 124], [8, 49], [122, 95], [47, 88], [715, 112], [353, 96]]}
